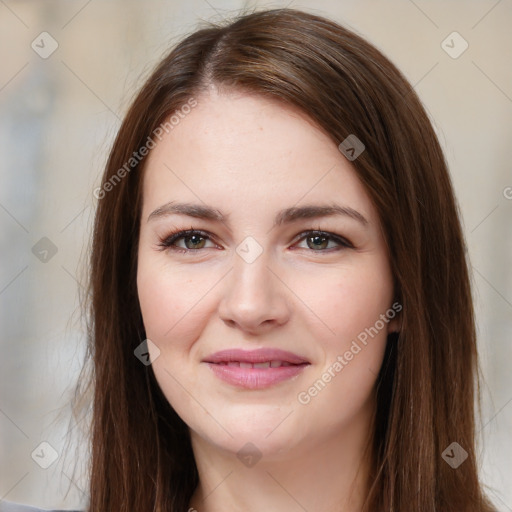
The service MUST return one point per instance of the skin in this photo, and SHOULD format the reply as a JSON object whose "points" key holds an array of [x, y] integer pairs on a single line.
{"points": [[250, 157]]}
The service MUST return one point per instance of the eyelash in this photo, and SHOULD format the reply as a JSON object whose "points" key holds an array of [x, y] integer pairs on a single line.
{"points": [[168, 241]]}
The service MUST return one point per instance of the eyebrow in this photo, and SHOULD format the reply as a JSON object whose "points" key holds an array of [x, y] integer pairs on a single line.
{"points": [[286, 216]]}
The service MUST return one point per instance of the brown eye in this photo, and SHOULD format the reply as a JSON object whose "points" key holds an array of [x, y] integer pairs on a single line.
{"points": [[321, 241], [196, 241], [317, 242], [188, 240]]}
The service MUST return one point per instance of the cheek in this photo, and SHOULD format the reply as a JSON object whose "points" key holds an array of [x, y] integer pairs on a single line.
{"points": [[352, 337], [174, 308], [171, 301], [345, 379], [346, 301]]}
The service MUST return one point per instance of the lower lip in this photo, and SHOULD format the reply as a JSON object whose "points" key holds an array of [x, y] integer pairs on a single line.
{"points": [[255, 378]]}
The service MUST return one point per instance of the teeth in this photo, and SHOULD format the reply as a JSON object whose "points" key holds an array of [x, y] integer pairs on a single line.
{"points": [[262, 365], [266, 364]]}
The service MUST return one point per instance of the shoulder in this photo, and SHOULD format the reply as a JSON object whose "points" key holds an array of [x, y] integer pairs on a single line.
{"points": [[8, 506]]}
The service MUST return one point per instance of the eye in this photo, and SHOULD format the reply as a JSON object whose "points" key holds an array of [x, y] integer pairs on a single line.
{"points": [[193, 240], [321, 241]]}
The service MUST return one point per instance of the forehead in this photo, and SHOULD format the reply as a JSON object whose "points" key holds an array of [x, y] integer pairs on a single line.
{"points": [[252, 151]]}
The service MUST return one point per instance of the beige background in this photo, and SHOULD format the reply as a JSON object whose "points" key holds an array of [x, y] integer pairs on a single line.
{"points": [[58, 119]]}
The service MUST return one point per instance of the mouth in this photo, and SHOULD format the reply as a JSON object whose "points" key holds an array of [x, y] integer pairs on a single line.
{"points": [[265, 364], [255, 369]]}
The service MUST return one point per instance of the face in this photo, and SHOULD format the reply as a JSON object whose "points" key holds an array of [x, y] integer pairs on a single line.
{"points": [[268, 318]]}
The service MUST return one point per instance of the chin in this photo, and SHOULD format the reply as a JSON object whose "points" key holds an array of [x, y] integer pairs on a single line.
{"points": [[270, 431]]}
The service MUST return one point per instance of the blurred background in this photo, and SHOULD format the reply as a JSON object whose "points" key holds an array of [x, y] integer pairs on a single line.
{"points": [[68, 70]]}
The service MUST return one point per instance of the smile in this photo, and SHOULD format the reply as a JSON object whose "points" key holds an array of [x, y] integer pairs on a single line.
{"points": [[267, 364], [255, 369]]}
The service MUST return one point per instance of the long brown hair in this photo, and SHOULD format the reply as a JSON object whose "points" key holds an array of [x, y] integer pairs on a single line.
{"points": [[141, 457]]}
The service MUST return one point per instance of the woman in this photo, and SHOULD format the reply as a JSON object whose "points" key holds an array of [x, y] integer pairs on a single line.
{"points": [[281, 314]]}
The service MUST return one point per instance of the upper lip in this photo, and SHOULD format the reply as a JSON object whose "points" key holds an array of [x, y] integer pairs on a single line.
{"points": [[260, 355]]}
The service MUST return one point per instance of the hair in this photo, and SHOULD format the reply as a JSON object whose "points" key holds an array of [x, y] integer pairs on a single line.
{"points": [[141, 455]]}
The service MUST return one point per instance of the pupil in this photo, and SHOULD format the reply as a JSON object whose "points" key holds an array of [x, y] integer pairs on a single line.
{"points": [[195, 240], [317, 239]]}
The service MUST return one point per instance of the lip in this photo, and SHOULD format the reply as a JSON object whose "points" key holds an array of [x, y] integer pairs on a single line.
{"points": [[224, 366], [259, 355]]}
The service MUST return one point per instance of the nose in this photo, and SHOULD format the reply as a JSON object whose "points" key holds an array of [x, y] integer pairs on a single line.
{"points": [[254, 298]]}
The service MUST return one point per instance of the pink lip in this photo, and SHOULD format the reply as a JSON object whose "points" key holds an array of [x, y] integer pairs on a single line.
{"points": [[255, 378], [259, 355]]}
